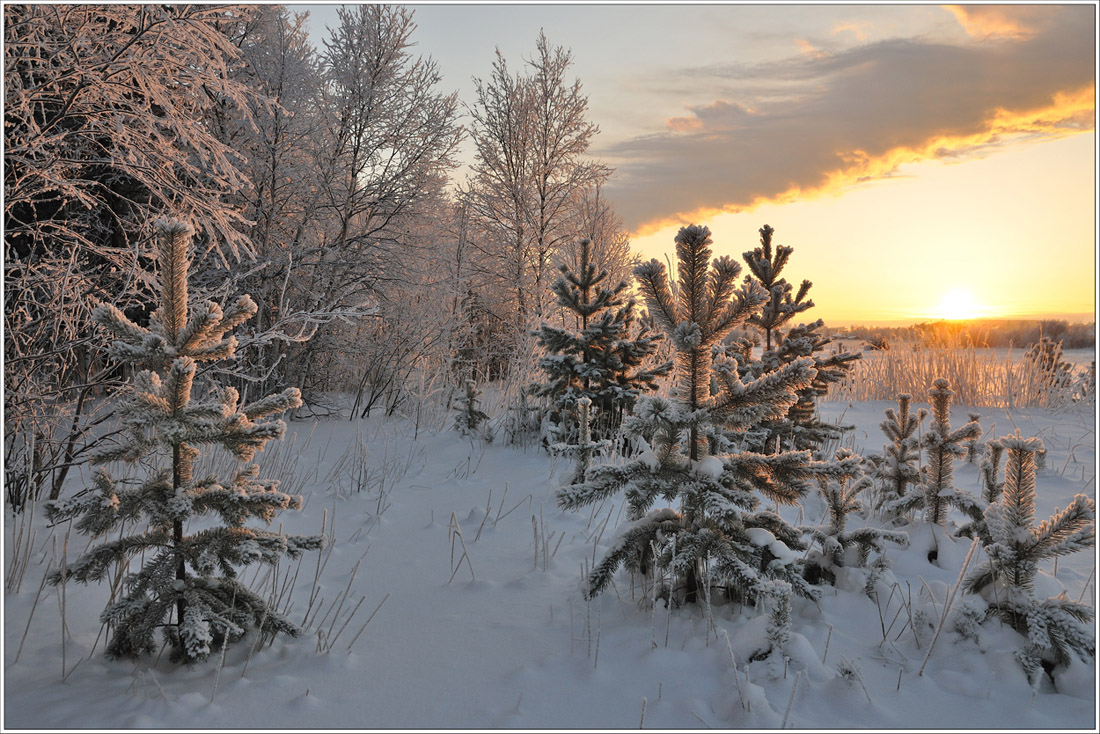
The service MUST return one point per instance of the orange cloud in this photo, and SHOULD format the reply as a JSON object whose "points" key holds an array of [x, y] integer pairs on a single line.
{"points": [[1004, 21], [1069, 113], [857, 29], [808, 49], [817, 125], [683, 124]]}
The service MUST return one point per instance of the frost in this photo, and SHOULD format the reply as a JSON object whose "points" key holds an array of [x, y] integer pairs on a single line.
{"points": [[687, 336]]}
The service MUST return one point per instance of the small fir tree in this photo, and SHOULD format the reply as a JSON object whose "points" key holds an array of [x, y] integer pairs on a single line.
{"points": [[992, 486], [1057, 629], [942, 447], [603, 359], [469, 418], [802, 427], [193, 575], [897, 469], [778, 632], [839, 546], [719, 535]]}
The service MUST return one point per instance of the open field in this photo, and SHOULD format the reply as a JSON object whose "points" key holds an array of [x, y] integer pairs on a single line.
{"points": [[472, 576]]}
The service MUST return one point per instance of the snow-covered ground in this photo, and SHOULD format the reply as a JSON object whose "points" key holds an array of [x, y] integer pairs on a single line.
{"points": [[473, 574]]}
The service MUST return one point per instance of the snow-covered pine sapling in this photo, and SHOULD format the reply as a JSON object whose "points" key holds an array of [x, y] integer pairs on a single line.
{"points": [[585, 448], [766, 264], [992, 485], [604, 358], [193, 576], [469, 418], [897, 470], [718, 521], [942, 447], [778, 632], [802, 427], [837, 545], [1057, 629]]}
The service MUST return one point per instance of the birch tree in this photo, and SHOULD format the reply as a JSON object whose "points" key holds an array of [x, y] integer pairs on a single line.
{"points": [[531, 135], [383, 149]]}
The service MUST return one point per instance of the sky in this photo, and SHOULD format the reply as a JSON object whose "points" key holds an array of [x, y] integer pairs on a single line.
{"points": [[923, 161]]}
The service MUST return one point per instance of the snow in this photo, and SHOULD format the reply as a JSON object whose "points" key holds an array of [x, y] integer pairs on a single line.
{"points": [[504, 639], [647, 457], [710, 466], [761, 538]]}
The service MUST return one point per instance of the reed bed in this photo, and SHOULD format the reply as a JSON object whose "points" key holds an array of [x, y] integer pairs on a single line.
{"points": [[981, 377]]}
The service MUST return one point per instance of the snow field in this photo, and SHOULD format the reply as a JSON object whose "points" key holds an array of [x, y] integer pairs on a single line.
{"points": [[503, 638]]}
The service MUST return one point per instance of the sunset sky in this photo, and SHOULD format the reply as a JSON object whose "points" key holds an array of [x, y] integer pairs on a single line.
{"points": [[923, 160]]}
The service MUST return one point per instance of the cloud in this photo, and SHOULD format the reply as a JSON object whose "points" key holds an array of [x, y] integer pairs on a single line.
{"points": [[1007, 21], [808, 49], [807, 125], [859, 30]]}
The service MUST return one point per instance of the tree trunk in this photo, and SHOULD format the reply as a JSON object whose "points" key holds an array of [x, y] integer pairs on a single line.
{"points": [[177, 538]]}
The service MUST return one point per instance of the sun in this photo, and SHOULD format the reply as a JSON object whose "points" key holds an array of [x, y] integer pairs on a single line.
{"points": [[958, 305]]}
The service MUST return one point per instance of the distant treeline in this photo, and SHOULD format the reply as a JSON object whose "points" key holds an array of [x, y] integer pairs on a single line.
{"points": [[980, 333]]}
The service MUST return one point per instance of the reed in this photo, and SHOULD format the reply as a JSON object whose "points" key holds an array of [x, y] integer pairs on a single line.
{"points": [[982, 377]]}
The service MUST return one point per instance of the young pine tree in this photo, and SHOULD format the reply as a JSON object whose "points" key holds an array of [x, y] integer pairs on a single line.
{"points": [[601, 359], [470, 420], [838, 545], [766, 264], [897, 469], [1057, 629], [719, 531], [974, 446], [992, 484], [192, 576], [942, 447], [801, 427]]}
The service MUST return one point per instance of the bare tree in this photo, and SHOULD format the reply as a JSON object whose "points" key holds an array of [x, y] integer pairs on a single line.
{"points": [[282, 199], [561, 138], [382, 151], [531, 135], [499, 192]]}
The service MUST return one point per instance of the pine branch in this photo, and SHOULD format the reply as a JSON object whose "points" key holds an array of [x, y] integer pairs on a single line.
{"points": [[1068, 530], [175, 239]]}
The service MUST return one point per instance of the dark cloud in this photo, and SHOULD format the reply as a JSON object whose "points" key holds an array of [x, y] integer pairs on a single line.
{"points": [[812, 121]]}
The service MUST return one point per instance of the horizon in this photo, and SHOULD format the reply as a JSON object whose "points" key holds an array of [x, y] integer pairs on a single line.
{"points": [[1072, 319]]}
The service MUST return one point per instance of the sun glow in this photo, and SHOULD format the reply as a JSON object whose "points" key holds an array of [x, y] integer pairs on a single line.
{"points": [[959, 305]]}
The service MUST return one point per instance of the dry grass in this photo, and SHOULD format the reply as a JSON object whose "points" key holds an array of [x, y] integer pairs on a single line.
{"points": [[980, 377]]}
